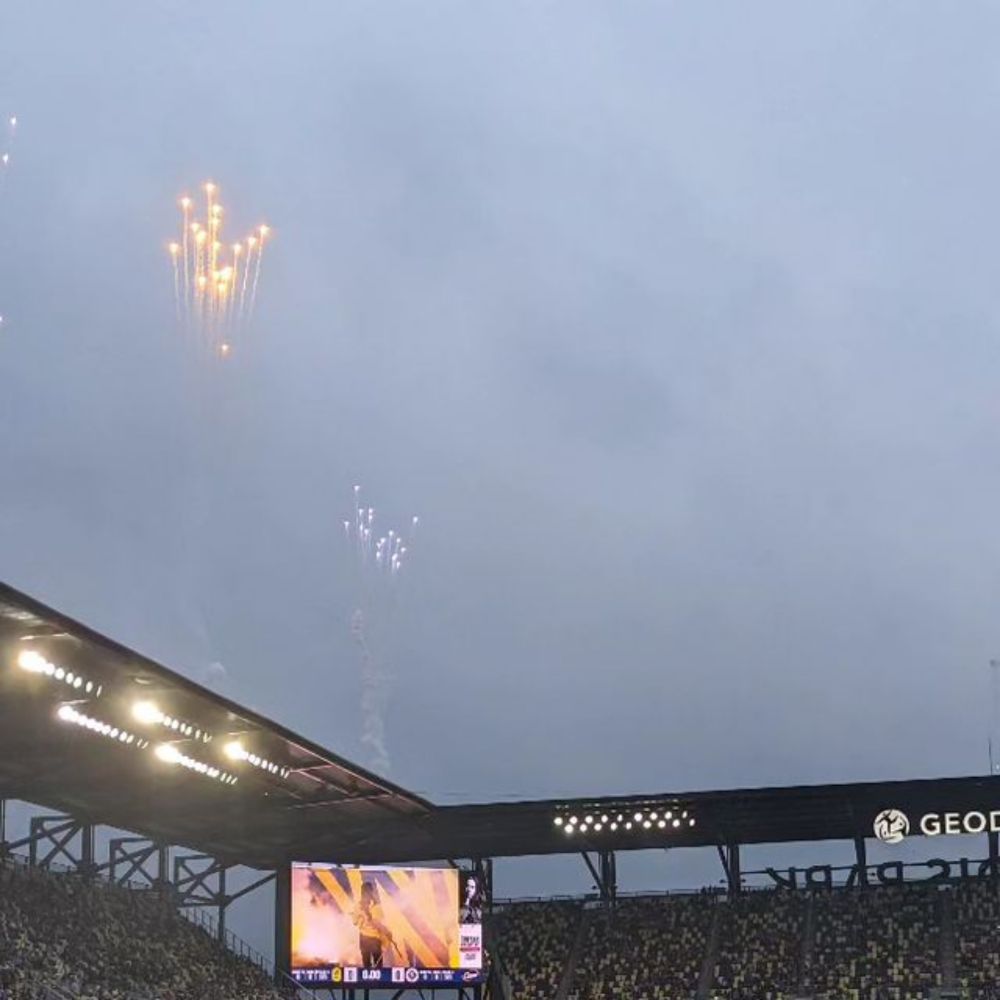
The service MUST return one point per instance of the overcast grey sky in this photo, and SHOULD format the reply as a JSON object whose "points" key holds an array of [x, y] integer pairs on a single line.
{"points": [[676, 323]]}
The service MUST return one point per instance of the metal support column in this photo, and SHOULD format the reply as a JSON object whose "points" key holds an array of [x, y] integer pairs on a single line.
{"points": [[729, 855], [993, 839], [609, 876], [223, 904], [861, 856], [283, 923], [604, 875]]}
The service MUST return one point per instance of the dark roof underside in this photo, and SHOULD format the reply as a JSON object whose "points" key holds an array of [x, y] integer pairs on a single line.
{"points": [[329, 809]]}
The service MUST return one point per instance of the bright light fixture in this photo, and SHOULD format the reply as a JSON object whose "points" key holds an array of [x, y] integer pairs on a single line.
{"points": [[67, 713], [32, 662], [169, 754]]}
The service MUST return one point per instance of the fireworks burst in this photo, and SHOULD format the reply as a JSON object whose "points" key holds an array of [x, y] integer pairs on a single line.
{"points": [[380, 560], [215, 283]]}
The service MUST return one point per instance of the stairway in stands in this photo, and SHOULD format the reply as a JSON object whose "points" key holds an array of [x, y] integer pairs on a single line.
{"points": [[808, 940], [707, 977], [949, 974], [575, 953]]}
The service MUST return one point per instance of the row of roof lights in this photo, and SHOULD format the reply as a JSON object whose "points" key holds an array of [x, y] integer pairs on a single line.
{"points": [[169, 754], [640, 819], [34, 663], [236, 751], [67, 713], [148, 713]]}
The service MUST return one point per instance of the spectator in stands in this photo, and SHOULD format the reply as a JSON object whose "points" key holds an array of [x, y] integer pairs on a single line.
{"points": [[533, 942], [760, 946], [649, 948], [877, 939], [60, 934]]}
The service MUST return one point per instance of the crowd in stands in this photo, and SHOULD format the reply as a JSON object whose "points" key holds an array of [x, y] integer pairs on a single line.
{"points": [[877, 943], [760, 946], [533, 941], [62, 935], [977, 938], [66, 938], [649, 948]]}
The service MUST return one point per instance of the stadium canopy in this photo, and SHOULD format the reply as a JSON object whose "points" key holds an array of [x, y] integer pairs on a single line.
{"points": [[98, 731]]}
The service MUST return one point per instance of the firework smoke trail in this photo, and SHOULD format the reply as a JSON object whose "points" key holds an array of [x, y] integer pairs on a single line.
{"points": [[5, 153], [206, 276], [379, 560], [8, 145]]}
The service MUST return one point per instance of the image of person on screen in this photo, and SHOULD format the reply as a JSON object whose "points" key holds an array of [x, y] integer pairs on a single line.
{"points": [[472, 902], [374, 938]]}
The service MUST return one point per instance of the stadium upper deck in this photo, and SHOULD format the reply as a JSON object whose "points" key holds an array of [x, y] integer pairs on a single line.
{"points": [[92, 728]]}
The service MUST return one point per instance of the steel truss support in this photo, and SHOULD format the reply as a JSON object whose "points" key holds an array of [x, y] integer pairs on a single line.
{"points": [[132, 857], [730, 858], [605, 875], [200, 880], [52, 838]]}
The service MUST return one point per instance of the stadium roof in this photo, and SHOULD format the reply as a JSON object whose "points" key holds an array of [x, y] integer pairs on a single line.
{"points": [[88, 773], [68, 705]]}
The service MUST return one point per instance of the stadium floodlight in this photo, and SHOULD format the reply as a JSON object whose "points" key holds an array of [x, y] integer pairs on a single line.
{"points": [[628, 826], [572, 820], [235, 750], [558, 821], [32, 662], [662, 824], [147, 712], [691, 822], [614, 826], [67, 713], [150, 714], [646, 824], [169, 754], [677, 822], [637, 817]]}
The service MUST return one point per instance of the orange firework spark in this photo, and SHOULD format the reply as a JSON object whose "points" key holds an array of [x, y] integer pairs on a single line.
{"points": [[215, 284]]}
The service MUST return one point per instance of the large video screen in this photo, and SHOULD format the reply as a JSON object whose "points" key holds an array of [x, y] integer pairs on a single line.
{"points": [[388, 926]]}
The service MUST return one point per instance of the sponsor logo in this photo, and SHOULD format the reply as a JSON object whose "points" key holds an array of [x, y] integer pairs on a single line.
{"points": [[468, 977], [412, 975], [338, 975], [350, 975], [891, 826], [399, 975]]}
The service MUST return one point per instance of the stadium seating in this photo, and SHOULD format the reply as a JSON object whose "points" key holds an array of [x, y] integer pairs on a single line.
{"points": [[977, 937], [534, 941], [647, 949], [99, 942], [881, 941], [760, 946], [63, 938]]}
